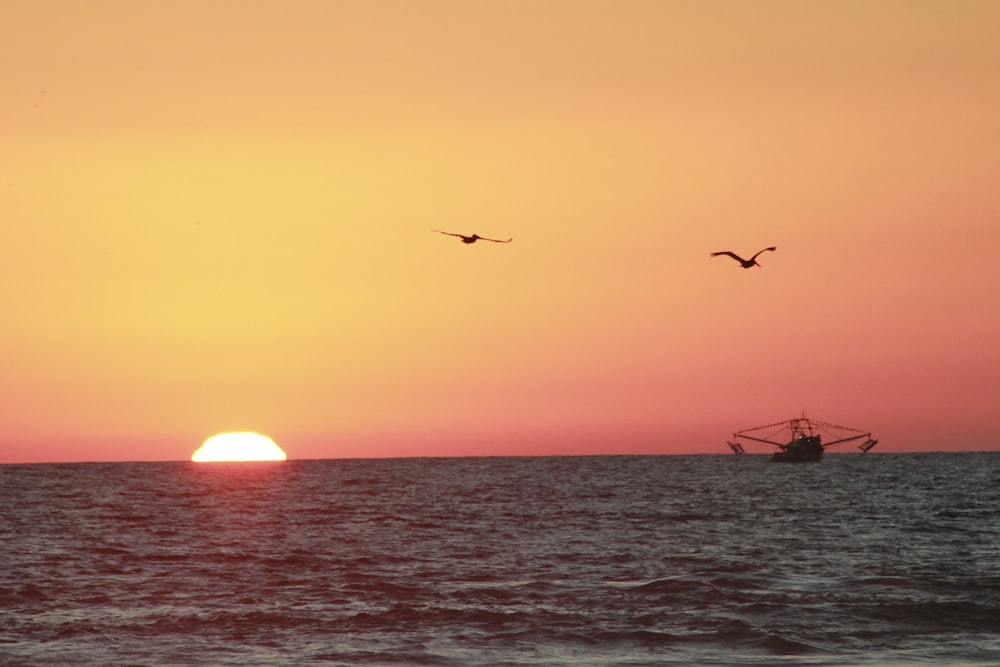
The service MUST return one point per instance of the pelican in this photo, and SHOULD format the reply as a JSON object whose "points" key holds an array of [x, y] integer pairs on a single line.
{"points": [[473, 238], [745, 263]]}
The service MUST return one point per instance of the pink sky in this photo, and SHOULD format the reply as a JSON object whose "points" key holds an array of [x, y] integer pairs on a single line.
{"points": [[216, 217]]}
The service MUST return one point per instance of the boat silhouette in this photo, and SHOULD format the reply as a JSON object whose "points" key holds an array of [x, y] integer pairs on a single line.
{"points": [[800, 439]]}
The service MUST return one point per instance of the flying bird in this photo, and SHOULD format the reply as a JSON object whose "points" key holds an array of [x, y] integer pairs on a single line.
{"points": [[745, 263], [473, 238]]}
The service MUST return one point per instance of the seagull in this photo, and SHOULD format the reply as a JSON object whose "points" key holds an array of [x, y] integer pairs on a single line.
{"points": [[745, 263], [473, 238]]}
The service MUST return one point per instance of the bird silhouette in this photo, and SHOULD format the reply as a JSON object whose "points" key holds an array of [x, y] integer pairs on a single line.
{"points": [[473, 238], [745, 263]]}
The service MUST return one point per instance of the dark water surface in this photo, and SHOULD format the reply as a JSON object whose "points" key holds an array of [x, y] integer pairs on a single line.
{"points": [[878, 559]]}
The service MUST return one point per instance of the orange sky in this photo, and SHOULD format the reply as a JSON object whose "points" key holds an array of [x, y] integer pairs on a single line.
{"points": [[216, 216]]}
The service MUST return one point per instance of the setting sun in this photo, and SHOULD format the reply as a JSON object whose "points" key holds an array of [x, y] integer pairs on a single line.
{"points": [[245, 446]]}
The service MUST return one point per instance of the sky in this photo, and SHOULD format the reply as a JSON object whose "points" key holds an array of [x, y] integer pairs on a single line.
{"points": [[216, 215]]}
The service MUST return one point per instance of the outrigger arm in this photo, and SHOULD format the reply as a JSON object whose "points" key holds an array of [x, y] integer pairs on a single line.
{"points": [[853, 437], [864, 446], [770, 442]]}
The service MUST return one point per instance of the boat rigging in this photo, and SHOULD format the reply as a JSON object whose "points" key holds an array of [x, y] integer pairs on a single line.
{"points": [[800, 439]]}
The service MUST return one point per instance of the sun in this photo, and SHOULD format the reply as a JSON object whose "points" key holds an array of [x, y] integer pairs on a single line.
{"points": [[244, 446]]}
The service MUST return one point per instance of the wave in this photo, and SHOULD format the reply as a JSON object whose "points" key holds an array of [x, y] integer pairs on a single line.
{"points": [[26, 594]]}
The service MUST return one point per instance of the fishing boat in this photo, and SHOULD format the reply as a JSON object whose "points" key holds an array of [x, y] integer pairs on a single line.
{"points": [[800, 439]]}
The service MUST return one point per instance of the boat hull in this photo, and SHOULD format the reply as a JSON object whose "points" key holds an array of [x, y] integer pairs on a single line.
{"points": [[804, 449]]}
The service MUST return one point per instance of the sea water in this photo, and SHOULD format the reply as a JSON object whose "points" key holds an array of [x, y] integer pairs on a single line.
{"points": [[875, 559]]}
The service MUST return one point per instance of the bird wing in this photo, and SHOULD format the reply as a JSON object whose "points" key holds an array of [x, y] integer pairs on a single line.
{"points": [[731, 254], [483, 238], [448, 233], [772, 248]]}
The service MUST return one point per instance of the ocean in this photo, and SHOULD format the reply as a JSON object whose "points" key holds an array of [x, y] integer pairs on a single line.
{"points": [[861, 559]]}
